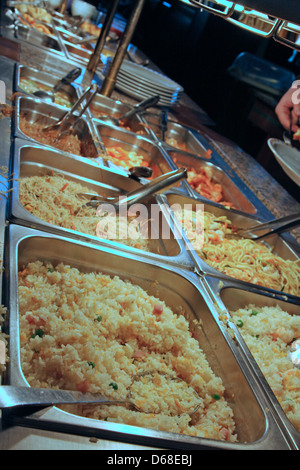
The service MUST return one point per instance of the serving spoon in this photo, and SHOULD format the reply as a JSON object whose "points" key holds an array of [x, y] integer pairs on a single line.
{"points": [[17, 397], [67, 80], [133, 197], [138, 108]]}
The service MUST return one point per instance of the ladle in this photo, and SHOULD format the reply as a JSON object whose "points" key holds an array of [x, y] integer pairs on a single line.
{"points": [[64, 123], [283, 224], [16, 397], [138, 108], [155, 186], [67, 80]]}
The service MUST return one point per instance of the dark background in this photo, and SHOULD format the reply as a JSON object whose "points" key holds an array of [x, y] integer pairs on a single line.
{"points": [[196, 49]]}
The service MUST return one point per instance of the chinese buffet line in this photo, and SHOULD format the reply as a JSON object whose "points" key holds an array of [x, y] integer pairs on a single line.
{"points": [[89, 306]]}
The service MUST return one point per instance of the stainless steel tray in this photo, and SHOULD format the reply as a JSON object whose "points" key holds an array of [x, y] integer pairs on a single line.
{"points": [[70, 37], [48, 43], [46, 114], [35, 160], [42, 78], [112, 136], [106, 106], [230, 296], [185, 139], [231, 192], [280, 246], [77, 53], [256, 426]]}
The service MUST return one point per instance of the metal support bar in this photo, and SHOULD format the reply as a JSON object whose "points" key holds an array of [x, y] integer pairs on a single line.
{"points": [[258, 32], [95, 58], [110, 80], [228, 10], [63, 6], [284, 41]]}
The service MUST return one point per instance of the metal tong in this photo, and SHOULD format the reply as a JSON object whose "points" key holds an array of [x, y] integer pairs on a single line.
{"points": [[283, 224], [157, 185], [67, 80], [138, 108], [65, 123], [14, 397], [16, 16]]}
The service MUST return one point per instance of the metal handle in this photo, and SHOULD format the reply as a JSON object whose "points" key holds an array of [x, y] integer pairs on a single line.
{"points": [[274, 24], [140, 107], [91, 89], [84, 40], [155, 186], [158, 184], [68, 79], [283, 40], [225, 13], [13, 397], [283, 224]]}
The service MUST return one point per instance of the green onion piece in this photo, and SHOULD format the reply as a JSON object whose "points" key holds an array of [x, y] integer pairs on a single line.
{"points": [[38, 332], [114, 385], [216, 396]]}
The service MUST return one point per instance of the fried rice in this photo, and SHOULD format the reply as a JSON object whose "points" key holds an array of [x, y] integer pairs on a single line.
{"points": [[268, 332], [93, 332]]}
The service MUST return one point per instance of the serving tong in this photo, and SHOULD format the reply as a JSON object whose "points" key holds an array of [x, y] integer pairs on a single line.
{"points": [[17, 397], [283, 224], [158, 184], [75, 27], [15, 15], [138, 108], [65, 123], [67, 80]]}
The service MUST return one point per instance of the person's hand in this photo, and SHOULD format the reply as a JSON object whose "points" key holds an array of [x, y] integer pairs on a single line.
{"points": [[288, 108]]}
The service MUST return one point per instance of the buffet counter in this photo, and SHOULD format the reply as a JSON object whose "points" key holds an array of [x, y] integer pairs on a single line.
{"points": [[171, 270]]}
